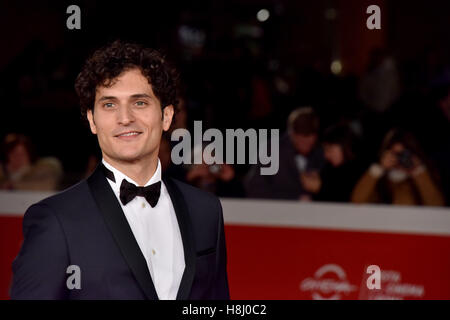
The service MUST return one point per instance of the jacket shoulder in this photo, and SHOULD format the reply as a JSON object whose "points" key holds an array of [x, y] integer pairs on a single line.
{"points": [[195, 198], [71, 196], [192, 191]]}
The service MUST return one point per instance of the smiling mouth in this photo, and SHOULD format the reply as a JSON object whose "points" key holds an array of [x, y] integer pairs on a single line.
{"points": [[128, 134]]}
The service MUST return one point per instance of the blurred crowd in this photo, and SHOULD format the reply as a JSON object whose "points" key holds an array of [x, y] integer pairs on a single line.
{"points": [[382, 137], [21, 169]]}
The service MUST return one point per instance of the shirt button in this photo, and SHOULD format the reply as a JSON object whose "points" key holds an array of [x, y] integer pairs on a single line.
{"points": [[143, 204], [153, 251]]}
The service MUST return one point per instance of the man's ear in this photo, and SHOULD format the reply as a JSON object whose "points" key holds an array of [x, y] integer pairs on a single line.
{"points": [[92, 125], [168, 112]]}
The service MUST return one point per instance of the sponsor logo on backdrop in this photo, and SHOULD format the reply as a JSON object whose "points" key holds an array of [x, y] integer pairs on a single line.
{"points": [[328, 283]]}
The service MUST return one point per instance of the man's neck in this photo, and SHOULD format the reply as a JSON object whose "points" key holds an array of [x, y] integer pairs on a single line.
{"points": [[140, 170]]}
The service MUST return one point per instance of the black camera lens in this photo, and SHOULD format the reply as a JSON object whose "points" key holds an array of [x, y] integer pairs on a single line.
{"points": [[405, 159]]}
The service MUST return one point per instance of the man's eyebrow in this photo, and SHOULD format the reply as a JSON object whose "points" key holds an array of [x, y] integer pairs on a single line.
{"points": [[140, 95], [133, 96], [107, 98]]}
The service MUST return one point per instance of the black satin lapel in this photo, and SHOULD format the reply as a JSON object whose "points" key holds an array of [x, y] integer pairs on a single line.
{"points": [[121, 231], [187, 236]]}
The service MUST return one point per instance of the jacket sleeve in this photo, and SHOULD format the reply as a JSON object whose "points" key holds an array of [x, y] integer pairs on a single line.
{"points": [[39, 270], [221, 290]]}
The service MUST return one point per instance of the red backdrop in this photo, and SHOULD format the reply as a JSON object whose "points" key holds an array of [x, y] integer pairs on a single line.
{"points": [[283, 263]]}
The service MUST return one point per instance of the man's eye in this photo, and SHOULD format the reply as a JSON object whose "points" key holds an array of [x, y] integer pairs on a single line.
{"points": [[108, 105], [141, 103]]}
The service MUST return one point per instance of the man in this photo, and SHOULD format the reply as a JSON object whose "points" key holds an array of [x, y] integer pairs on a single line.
{"points": [[301, 159], [129, 233]]}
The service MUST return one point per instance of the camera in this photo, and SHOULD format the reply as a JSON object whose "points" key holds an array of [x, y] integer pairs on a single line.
{"points": [[405, 159]]}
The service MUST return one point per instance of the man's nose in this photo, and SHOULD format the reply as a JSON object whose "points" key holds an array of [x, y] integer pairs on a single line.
{"points": [[125, 115]]}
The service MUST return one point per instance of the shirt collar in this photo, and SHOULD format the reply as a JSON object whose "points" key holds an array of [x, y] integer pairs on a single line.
{"points": [[119, 176]]}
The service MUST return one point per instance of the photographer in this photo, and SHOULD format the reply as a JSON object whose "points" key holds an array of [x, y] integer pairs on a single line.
{"points": [[402, 176]]}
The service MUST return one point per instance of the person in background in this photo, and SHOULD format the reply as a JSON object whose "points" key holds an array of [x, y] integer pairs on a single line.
{"points": [[342, 168], [219, 179], [379, 89], [402, 176], [301, 160], [23, 171], [380, 86]]}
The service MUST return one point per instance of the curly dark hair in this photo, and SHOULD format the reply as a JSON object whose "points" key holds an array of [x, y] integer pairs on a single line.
{"points": [[108, 62]]}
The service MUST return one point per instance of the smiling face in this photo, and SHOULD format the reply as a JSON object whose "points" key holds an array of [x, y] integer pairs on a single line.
{"points": [[128, 120]]}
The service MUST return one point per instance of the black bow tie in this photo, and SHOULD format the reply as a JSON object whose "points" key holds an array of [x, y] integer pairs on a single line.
{"points": [[129, 191]]}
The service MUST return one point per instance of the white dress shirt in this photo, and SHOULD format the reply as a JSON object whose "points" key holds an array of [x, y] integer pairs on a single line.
{"points": [[156, 232]]}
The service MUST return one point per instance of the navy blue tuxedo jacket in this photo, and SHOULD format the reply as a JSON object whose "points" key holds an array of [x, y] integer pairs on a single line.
{"points": [[85, 226]]}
